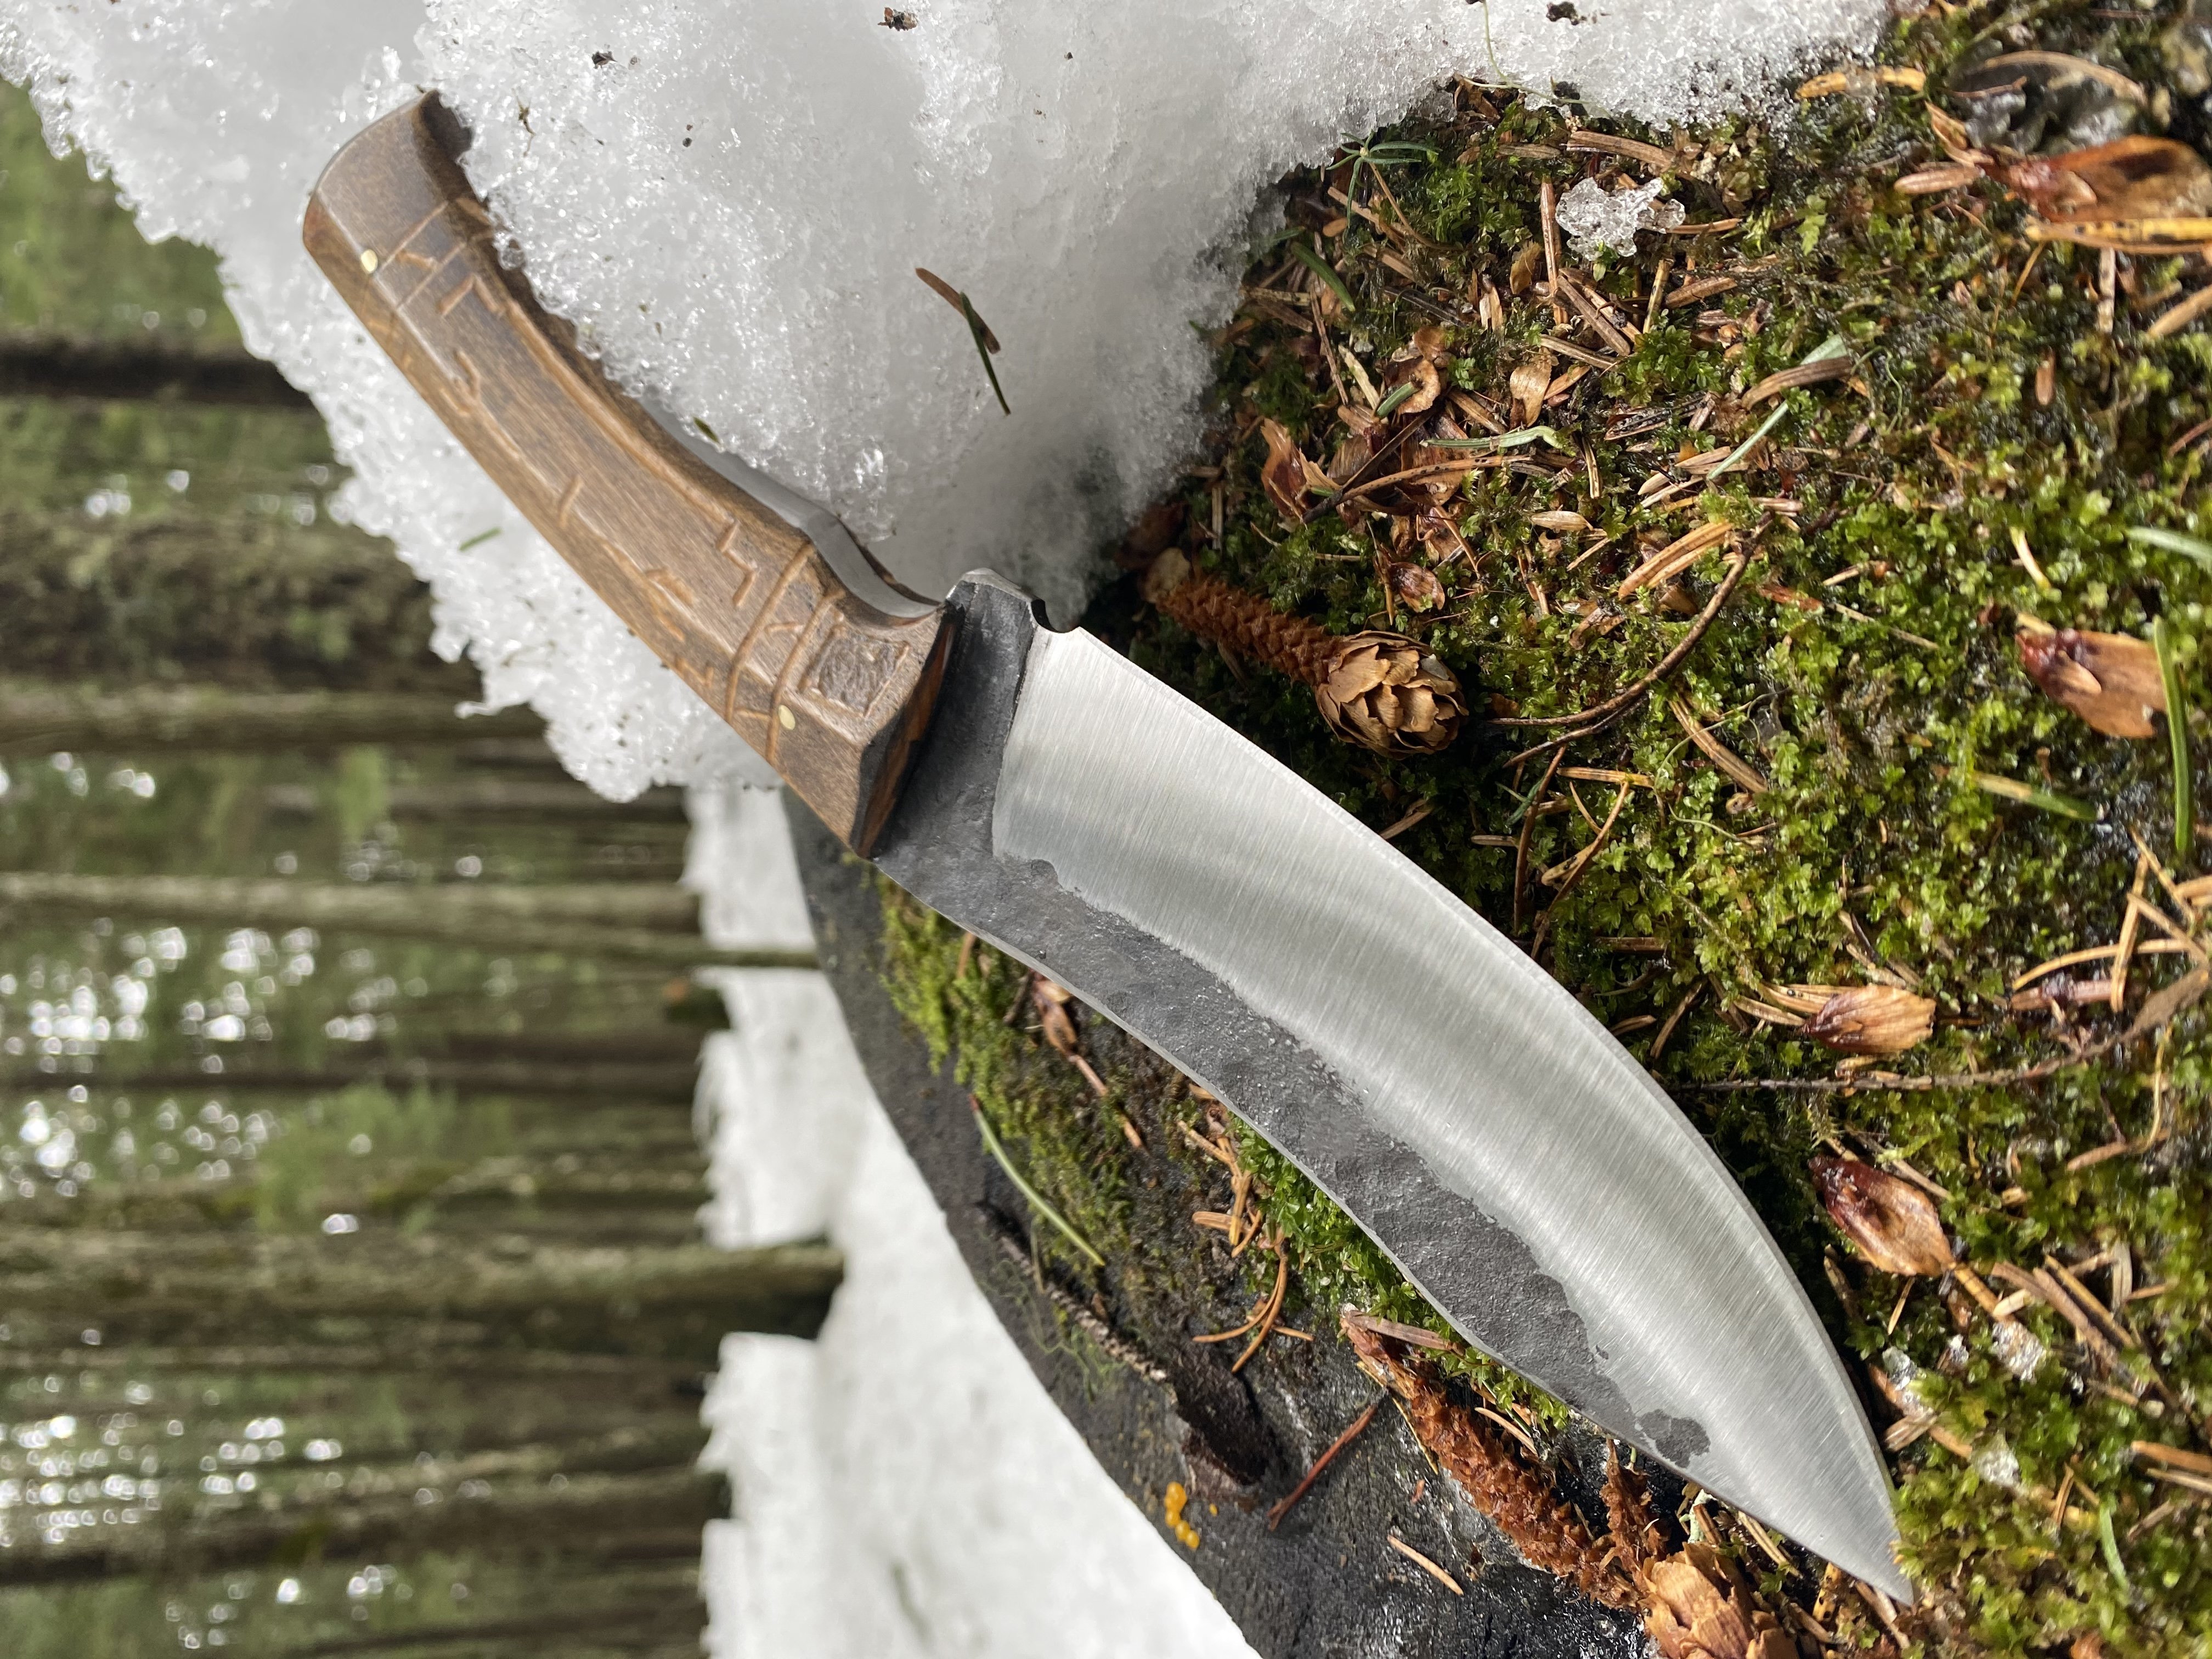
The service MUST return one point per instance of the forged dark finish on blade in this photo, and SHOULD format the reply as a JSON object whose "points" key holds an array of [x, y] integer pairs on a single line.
{"points": [[1513, 1160], [1325, 1585]]}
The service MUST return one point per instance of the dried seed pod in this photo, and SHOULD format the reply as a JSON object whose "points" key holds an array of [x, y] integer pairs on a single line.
{"points": [[1700, 1607], [1872, 1019], [1384, 692], [1416, 587], [2111, 680], [1283, 475], [1245, 622], [1892, 1221]]}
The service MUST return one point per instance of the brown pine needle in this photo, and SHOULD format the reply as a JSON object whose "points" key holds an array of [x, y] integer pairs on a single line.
{"points": [[1589, 721], [1424, 1563], [1305, 1485], [2156, 947], [985, 342], [2126, 949], [1275, 1305]]}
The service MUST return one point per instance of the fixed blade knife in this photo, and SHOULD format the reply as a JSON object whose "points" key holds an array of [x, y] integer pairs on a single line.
{"points": [[1524, 1171]]}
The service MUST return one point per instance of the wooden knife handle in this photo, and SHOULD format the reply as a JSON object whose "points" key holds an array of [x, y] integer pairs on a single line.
{"points": [[832, 691]]}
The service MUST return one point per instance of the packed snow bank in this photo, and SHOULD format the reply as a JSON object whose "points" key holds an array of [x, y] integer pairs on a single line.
{"points": [[904, 1485], [730, 201]]}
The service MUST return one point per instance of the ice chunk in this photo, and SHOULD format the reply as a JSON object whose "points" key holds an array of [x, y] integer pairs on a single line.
{"points": [[1996, 1462], [730, 201], [1595, 220]]}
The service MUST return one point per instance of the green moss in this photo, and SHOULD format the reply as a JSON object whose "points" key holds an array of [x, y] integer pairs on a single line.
{"points": [[1866, 669], [1065, 1142]]}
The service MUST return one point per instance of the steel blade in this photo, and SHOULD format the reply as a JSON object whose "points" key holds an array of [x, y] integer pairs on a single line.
{"points": [[1513, 1160]]}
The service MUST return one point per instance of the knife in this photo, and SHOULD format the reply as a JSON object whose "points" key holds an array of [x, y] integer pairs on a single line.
{"points": [[1034, 786]]}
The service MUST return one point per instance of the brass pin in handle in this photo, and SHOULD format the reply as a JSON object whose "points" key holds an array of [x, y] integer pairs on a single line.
{"points": [[832, 691]]}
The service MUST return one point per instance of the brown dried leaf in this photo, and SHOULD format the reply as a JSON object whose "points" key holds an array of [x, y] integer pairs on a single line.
{"points": [[1416, 587], [1873, 1019], [1951, 132], [1353, 453], [1526, 264], [2130, 178], [1428, 344], [1421, 374], [1283, 475], [2111, 680], [1892, 1221], [1527, 386], [1559, 519]]}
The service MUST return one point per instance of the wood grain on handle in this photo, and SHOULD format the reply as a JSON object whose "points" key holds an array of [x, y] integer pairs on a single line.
{"points": [[831, 690]]}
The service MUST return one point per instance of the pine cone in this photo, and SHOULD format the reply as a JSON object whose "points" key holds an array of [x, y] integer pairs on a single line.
{"points": [[1699, 1608], [1517, 1496], [1384, 692], [1634, 1530], [1381, 691]]}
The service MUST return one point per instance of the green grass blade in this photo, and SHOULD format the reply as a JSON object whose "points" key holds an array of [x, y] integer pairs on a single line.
{"points": [[1833, 346], [2177, 732], [1036, 1199], [1321, 268], [2111, 1546], [975, 330], [2174, 541], [2043, 800], [1393, 397], [1513, 440]]}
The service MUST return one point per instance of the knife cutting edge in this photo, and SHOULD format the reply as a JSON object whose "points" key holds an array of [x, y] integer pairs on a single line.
{"points": [[1527, 1174]]}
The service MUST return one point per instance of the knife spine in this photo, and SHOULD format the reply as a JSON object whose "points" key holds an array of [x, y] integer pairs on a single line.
{"points": [[832, 691]]}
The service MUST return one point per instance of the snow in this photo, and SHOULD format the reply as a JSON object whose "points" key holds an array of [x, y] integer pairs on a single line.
{"points": [[730, 200], [904, 1485]]}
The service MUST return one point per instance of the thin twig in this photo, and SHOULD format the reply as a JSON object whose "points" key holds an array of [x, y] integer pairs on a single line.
{"points": [[1620, 700], [1528, 828], [1275, 1305], [1358, 1427]]}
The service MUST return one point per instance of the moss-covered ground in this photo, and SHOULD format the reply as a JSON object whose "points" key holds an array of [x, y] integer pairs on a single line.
{"points": [[2010, 415]]}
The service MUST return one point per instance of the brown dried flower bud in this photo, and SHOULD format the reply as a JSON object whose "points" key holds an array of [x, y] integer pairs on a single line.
{"points": [[2111, 680], [1384, 692], [1892, 1221], [1700, 1609], [1872, 1019]]}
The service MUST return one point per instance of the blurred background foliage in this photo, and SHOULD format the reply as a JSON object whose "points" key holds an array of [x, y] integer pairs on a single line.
{"points": [[351, 1292]]}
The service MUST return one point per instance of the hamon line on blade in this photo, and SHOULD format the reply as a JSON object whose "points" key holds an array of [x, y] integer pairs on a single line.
{"points": [[1529, 1177]]}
